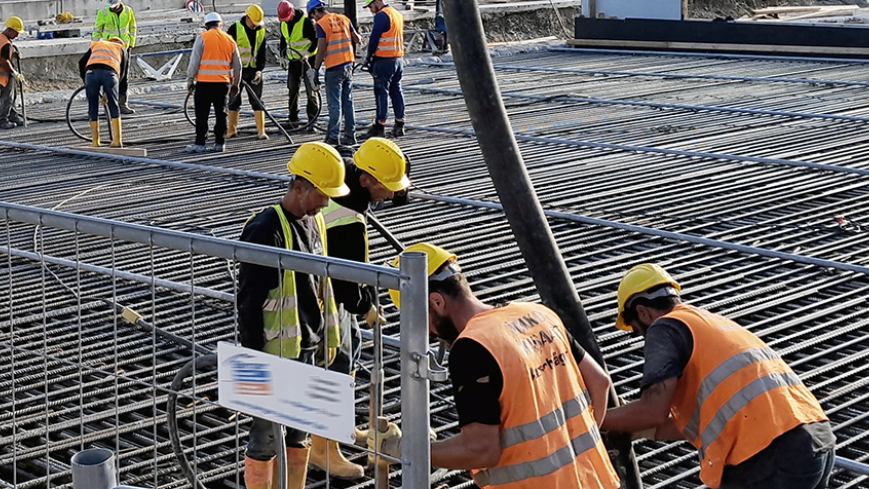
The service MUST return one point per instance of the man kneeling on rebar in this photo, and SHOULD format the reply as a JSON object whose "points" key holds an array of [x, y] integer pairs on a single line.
{"points": [[101, 68], [290, 314], [528, 397]]}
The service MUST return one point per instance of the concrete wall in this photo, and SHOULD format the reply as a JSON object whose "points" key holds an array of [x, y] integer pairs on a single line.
{"points": [[32, 10]]}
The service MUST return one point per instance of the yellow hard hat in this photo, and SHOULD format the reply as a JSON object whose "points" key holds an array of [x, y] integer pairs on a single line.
{"points": [[437, 256], [638, 280], [384, 160], [15, 23], [255, 14], [321, 165]]}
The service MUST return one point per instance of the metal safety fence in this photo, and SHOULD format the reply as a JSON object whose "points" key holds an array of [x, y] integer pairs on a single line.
{"points": [[97, 319]]}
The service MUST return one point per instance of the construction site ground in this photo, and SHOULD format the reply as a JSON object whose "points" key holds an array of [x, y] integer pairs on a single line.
{"points": [[761, 152]]}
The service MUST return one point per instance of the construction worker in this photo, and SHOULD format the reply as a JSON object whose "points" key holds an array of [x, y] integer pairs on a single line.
{"points": [[336, 39], [529, 399], [710, 381], [280, 312], [214, 72], [9, 118], [376, 172], [385, 59], [250, 36], [299, 41], [101, 67], [118, 20]]}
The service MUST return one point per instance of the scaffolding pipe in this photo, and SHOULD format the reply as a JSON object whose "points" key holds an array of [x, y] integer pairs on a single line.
{"points": [[521, 205]]}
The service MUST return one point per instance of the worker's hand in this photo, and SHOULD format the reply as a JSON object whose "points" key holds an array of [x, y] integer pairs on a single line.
{"points": [[285, 63], [374, 316], [234, 92], [191, 86], [19, 77], [389, 441], [257, 78], [648, 434], [104, 100]]}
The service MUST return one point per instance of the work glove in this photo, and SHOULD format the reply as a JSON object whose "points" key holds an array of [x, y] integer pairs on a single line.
{"points": [[234, 92], [19, 77], [374, 316], [366, 66], [257, 78], [191, 86], [285, 64], [390, 441]]}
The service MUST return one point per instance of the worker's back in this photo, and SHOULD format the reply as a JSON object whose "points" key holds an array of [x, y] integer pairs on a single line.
{"points": [[339, 44], [216, 63]]}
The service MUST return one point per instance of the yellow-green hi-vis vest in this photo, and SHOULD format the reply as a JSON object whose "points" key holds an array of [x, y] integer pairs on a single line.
{"points": [[337, 215], [245, 51], [296, 39], [280, 310]]}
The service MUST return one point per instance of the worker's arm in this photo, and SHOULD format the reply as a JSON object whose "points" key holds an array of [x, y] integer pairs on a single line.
{"points": [[308, 30], [321, 53], [195, 59], [261, 54], [354, 36], [236, 68], [477, 447], [651, 411], [381, 25], [231, 32], [83, 63], [133, 28], [598, 384], [668, 431], [99, 25], [348, 242]]}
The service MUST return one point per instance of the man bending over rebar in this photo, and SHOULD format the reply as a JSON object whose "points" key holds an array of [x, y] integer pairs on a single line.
{"points": [[286, 313], [528, 397]]}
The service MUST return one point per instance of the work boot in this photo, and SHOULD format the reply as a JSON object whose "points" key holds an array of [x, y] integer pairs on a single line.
{"points": [[297, 468], [375, 131], [195, 148], [339, 466], [232, 124], [260, 117], [95, 134], [125, 109], [259, 475], [398, 129], [15, 118], [348, 140], [117, 136], [7, 125], [217, 148]]}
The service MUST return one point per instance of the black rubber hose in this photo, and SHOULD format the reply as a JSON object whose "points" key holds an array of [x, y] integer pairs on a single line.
{"points": [[201, 363], [69, 117]]}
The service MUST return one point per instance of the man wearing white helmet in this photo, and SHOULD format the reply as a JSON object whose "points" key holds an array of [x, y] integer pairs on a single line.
{"points": [[213, 74], [8, 76], [117, 20]]}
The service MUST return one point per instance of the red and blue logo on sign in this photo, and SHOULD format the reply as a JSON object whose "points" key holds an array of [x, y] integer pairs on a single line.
{"points": [[251, 378]]}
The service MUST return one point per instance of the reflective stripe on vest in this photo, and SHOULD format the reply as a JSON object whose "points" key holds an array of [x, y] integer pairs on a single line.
{"points": [[391, 43], [110, 24], [281, 322], [736, 395], [548, 434], [337, 215], [248, 55], [215, 66], [297, 40], [339, 45], [5, 75], [107, 53]]}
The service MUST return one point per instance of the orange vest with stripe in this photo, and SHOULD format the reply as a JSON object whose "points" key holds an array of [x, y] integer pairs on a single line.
{"points": [[549, 438], [5, 75], [736, 395], [216, 63], [391, 44], [107, 53], [339, 45]]}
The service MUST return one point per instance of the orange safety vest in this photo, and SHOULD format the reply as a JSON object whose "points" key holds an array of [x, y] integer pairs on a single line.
{"points": [[107, 53], [216, 63], [736, 395], [391, 44], [339, 45], [5, 75], [549, 438]]}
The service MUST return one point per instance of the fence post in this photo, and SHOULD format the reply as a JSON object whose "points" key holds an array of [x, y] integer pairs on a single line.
{"points": [[415, 411]]}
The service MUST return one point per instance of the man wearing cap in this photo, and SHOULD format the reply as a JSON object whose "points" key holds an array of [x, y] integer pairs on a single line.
{"points": [[710, 381], [286, 313], [529, 399], [299, 41], [117, 20], [9, 118], [385, 57], [214, 72], [336, 41], [250, 36]]}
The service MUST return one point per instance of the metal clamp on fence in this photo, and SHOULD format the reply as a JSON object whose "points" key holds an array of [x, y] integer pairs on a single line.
{"points": [[427, 367]]}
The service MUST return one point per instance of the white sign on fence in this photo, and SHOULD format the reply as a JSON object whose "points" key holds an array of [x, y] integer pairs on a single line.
{"points": [[291, 393]]}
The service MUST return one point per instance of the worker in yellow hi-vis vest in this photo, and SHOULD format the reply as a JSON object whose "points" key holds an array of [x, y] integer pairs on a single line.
{"points": [[250, 35]]}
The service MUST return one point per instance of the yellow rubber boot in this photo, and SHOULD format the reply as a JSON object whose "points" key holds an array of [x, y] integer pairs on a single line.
{"points": [[259, 475], [261, 125], [117, 136], [339, 466], [232, 124], [297, 467], [95, 134]]}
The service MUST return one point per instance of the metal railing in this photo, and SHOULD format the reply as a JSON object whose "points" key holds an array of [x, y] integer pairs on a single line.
{"points": [[96, 318]]}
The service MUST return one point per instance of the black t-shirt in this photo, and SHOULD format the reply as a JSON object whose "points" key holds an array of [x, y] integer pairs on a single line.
{"points": [[478, 381], [251, 37], [255, 281]]}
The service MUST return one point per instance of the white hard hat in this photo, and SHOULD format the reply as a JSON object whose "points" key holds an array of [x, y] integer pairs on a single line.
{"points": [[213, 17], [112, 3]]}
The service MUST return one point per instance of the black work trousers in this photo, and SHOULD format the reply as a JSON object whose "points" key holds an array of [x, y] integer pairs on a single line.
{"points": [[125, 73], [207, 95], [295, 72], [248, 74]]}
